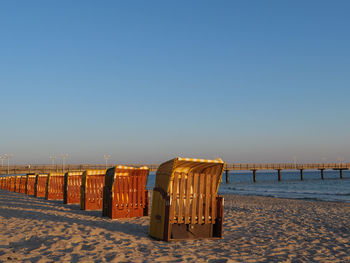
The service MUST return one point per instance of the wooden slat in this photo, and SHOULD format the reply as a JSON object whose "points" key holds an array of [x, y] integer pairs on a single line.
{"points": [[172, 213], [207, 198], [213, 198], [195, 199], [181, 198], [130, 190], [125, 192], [133, 189], [188, 197], [118, 191], [200, 202], [141, 193]]}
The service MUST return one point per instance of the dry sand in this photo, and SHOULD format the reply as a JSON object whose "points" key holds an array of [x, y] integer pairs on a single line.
{"points": [[256, 229]]}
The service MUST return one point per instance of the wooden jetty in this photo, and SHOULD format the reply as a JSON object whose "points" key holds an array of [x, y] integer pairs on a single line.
{"points": [[254, 167]]}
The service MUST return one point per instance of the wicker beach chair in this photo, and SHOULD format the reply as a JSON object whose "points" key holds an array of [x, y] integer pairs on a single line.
{"points": [[54, 186], [12, 185], [125, 193], [91, 193], [40, 185], [71, 187], [22, 184], [30, 183], [17, 183], [185, 204]]}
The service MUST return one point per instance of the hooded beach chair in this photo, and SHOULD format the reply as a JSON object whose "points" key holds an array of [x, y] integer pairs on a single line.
{"points": [[125, 193], [22, 184], [40, 185], [12, 185], [71, 187], [54, 186], [8, 183], [91, 193], [17, 183], [30, 183], [5, 184], [185, 204]]}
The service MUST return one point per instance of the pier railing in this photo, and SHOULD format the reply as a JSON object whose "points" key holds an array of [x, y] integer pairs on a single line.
{"points": [[24, 169]]}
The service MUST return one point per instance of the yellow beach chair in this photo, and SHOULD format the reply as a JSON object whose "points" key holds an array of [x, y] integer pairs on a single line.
{"points": [[185, 204]]}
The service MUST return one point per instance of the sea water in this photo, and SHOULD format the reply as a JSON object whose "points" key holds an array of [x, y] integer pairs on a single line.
{"points": [[332, 188]]}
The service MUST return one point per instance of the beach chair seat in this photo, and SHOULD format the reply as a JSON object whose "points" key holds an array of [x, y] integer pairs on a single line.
{"points": [[91, 193], [71, 187], [125, 193], [185, 204], [40, 185]]}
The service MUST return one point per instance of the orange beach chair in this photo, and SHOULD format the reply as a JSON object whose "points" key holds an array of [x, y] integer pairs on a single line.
{"points": [[71, 187], [54, 186], [125, 193], [91, 193], [40, 185]]}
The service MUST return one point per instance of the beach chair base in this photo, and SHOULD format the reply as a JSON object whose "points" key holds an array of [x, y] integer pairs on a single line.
{"points": [[179, 232]]}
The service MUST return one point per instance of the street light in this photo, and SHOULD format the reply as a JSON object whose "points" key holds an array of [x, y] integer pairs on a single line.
{"points": [[8, 157], [295, 162], [2, 158], [64, 157], [52, 158], [106, 157]]}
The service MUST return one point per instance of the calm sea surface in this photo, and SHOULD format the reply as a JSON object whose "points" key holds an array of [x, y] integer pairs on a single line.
{"points": [[312, 187]]}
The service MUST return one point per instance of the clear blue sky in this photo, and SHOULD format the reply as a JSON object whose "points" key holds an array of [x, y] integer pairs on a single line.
{"points": [[144, 81]]}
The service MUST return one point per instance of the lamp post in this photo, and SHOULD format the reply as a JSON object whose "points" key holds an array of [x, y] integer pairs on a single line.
{"points": [[106, 157], [64, 157], [295, 162], [8, 157], [52, 158], [2, 158]]}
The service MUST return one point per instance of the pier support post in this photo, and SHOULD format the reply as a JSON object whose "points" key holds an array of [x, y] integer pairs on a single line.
{"points": [[279, 175], [254, 176], [322, 174], [227, 178], [341, 173], [301, 175]]}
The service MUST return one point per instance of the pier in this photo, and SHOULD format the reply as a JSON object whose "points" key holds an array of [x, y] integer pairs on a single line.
{"points": [[253, 167]]}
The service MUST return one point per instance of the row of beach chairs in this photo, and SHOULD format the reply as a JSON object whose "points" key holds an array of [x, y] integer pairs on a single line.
{"points": [[185, 204]]}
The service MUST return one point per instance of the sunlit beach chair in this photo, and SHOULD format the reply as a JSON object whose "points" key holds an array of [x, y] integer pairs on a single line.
{"points": [[40, 185], [71, 187], [22, 184], [91, 193], [125, 193], [12, 185], [185, 204], [5, 184], [17, 183], [30, 183], [54, 186]]}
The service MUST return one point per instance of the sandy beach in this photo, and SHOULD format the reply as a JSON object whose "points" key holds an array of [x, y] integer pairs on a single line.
{"points": [[256, 229]]}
